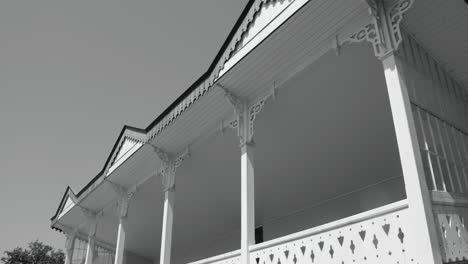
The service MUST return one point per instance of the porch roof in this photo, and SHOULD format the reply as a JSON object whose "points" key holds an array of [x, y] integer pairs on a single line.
{"points": [[342, 16]]}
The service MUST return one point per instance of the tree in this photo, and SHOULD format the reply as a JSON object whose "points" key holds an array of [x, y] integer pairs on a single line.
{"points": [[36, 253]]}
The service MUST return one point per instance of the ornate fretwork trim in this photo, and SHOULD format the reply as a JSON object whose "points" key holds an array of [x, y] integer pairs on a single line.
{"points": [[123, 201], [245, 111], [384, 30], [395, 16], [89, 214], [255, 109], [170, 163]]}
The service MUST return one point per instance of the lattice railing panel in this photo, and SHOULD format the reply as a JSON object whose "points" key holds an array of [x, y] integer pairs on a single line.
{"points": [[378, 240], [452, 232]]}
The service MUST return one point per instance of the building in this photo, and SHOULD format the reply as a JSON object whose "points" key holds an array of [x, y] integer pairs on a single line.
{"points": [[359, 114]]}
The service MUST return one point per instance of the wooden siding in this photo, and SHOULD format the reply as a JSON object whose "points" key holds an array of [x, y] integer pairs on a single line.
{"points": [[440, 110]]}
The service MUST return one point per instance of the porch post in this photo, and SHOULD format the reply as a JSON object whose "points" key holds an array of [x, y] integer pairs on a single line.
{"points": [[122, 230], [247, 201], [383, 32], [424, 236], [246, 113], [168, 218], [69, 244], [167, 173], [92, 222]]}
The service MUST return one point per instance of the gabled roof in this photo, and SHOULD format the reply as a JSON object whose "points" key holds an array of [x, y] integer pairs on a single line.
{"points": [[68, 200], [191, 94]]}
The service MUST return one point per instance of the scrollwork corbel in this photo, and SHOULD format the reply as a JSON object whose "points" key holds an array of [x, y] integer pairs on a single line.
{"points": [[169, 166], [384, 30]]}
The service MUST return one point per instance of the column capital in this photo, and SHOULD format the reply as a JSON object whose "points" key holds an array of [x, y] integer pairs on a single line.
{"points": [[123, 203], [91, 216], [170, 163], [383, 32], [124, 197], [91, 220], [70, 238], [246, 112]]}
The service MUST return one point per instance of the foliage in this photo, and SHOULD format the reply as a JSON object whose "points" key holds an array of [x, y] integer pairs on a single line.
{"points": [[36, 253]]}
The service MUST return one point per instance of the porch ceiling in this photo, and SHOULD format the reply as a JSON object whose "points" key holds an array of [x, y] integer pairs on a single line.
{"points": [[441, 27]]}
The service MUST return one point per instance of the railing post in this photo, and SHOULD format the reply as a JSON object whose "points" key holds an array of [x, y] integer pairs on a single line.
{"points": [[423, 232]]}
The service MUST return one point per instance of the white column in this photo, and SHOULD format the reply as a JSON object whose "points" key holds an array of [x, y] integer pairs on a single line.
{"points": [[91, 241], [168, 218], [247, 201], [124, 202], [69, 243], [423, 233], [120, 248], [167, 172], [246, 113]]}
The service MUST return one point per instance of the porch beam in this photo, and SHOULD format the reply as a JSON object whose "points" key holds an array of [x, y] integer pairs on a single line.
{"points": [[423, 240]]}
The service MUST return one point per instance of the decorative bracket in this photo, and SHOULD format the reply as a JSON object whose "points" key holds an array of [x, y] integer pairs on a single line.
{"points": [[384, 30], [123, 201], [246, 114], [70, 234], [170, 163], [91, 220], [70, 237]]}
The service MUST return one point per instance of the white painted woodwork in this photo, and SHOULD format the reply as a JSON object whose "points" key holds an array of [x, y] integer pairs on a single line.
{"points": [[127, 148], [375, 236], [168, 219], [431, 86], [91, 243], [315, 140], [440, 109], [80, 246], [69, 244], [440, 26], [422, 230], [247, 201], [121, 234], [451, 212], [270, 16], [69, 203], [288, 49], [230, 257], [295, 42]]}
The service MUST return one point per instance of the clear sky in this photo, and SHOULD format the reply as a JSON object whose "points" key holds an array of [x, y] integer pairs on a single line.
{"points": [[72, 73]]}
